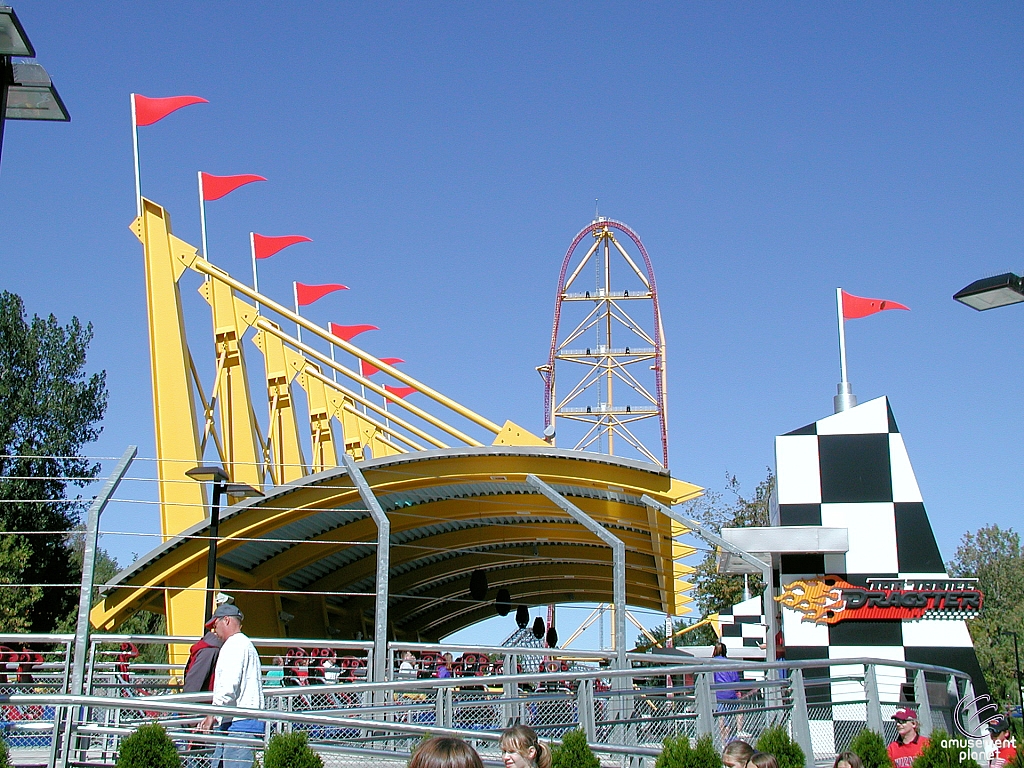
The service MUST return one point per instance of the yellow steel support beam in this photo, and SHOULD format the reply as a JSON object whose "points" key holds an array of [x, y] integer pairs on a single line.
{"points": [[231, 319], [286, 462]]}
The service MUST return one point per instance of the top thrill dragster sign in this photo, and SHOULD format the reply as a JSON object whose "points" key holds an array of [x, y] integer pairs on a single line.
{"points": [[830, 599]]}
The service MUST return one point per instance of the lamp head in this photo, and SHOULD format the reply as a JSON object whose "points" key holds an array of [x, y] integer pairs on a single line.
{"points": [[992, 292], [207, 474], [13, 40]]}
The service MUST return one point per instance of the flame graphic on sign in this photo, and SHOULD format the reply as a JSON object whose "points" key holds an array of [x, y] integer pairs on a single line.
{"points": [[820, 600]]}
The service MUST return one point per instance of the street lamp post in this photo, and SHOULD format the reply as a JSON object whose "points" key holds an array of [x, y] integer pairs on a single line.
{"points": [[221, 486], [1016, 667], [26, 91]]}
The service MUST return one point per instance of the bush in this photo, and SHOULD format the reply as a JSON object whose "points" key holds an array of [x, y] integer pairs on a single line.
{"points": [[870, 748], [776, 741], [935, 755], [5, 756], [148, 747], [677, 753], [573, 752], [290, 750], [704, 754]]}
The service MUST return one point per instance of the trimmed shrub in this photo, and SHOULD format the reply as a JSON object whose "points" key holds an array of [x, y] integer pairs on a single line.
{"points": [[935, 755], [704, 754], [290, 750], [573, 752], [148, 747], [776, 741], [5, 756], [677, 753], [870, 748]]}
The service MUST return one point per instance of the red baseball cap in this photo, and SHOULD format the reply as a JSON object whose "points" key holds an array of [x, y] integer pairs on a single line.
{"points": [[906, 713]]}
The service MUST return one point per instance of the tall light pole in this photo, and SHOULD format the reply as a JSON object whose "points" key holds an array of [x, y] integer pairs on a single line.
{"points": [[26, 91], [221, 486], [1016, 667]]}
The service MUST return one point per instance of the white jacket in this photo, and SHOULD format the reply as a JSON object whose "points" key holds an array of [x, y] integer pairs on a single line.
{"points": [[237, 680]]}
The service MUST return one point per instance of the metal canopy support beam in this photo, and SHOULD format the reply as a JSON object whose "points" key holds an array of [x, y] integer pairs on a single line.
{"points": [[618, 561], [380, 612], [713, 538]]}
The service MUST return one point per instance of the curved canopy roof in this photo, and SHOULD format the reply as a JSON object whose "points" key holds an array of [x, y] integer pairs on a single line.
{"points": [[310, 547]]}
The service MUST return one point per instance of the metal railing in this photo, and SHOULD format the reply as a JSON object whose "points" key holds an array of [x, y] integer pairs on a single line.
{"points": [[349, 717]]}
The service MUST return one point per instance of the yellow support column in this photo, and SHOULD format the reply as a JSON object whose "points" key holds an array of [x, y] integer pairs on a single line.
{"points": [[182, 501], [286, 462], [232, 317], [321, 431]]}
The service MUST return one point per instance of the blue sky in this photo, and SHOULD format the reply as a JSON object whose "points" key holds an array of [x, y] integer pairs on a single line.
{"points": [[443, 156]]}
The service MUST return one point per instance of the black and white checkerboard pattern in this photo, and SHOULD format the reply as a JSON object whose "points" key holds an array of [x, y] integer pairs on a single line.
{"points": [[851, 470], [743, 629]]}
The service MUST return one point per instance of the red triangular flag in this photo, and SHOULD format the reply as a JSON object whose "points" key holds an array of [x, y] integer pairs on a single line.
{"points": [[265, 247], [215, 187], [307, 294], [349, 332], [368, 370], [401, 392], [858, 306], [149, 111]]}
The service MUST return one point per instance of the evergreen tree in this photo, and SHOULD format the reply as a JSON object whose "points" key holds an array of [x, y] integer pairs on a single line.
{"points": [[148, 747], [291, 750], [573, 752], [870, 748], [49, 409], [776, 741]]}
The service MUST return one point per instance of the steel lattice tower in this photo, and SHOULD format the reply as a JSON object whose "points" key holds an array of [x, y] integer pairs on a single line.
{"points": [[614, 363]]}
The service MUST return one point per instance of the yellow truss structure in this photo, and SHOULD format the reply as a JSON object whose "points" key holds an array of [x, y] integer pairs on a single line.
{"points": [[307, 548]]}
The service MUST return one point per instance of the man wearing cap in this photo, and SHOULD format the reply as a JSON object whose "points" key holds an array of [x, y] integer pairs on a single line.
{"points": [[1003, 747], [236, 684], [909, 741]]}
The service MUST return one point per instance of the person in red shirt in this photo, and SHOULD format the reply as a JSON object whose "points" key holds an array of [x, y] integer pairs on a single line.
{"points": [[909, 741], [1003, 747]]}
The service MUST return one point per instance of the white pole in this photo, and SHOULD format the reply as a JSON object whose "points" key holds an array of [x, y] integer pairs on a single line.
{"points": [[135, 153], [842, 335], [295, 293], [202, 215], [255, 277]]}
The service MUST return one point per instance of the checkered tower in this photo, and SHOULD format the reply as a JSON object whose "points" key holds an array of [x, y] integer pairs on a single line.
{"points": [[851, 470]]}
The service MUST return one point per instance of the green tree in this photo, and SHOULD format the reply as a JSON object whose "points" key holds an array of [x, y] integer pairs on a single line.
{"points": [[776, 741], [148, 747], [994, 557], [573, 752], [49, 409], [870, 748], [290, 750], [713, 591]]}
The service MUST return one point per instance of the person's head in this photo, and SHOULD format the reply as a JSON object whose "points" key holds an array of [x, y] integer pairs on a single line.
{"points": [[737, 754], [520, 748], [278, 661], [906, 723], [226, 621], [763, 760], [720, 650], [999, 727], [408, 656], [444, 752], [848, 760]]}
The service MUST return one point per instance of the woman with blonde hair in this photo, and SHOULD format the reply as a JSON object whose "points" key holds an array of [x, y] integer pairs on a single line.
{"points": [[521, 748], [445, 752]]}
